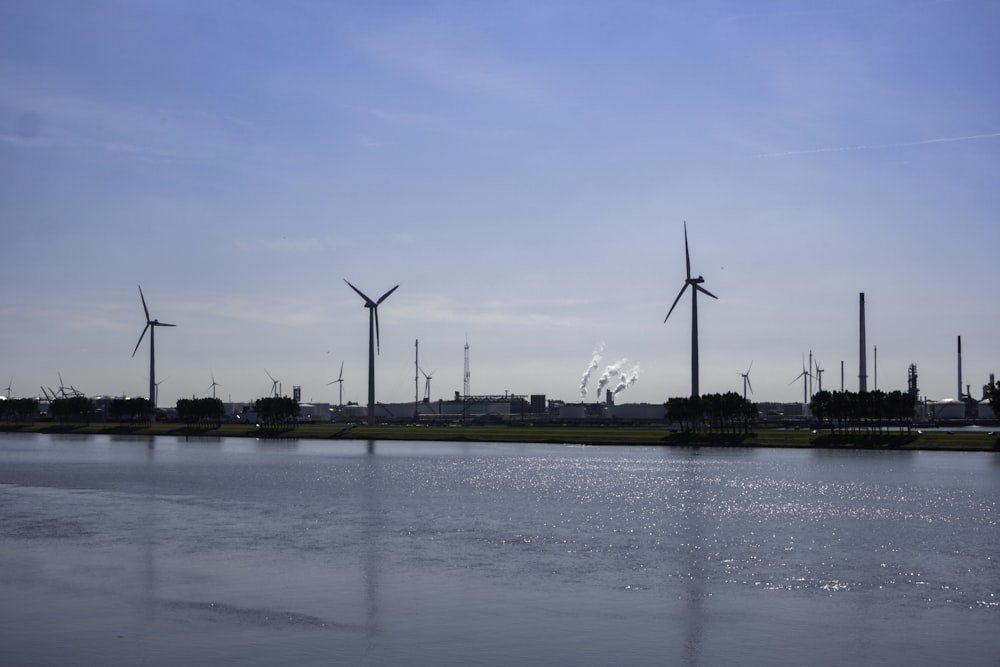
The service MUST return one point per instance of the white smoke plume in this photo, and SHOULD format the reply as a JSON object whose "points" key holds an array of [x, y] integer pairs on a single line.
{"points": [[611, 371], [628, 379], [598, 351]]}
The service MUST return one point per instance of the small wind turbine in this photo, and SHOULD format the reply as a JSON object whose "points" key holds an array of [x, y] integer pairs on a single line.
{"points": [[9, 385], [340, 381], [158, 388], [275, 386], [746, 381], [373, 343], [695, 285], [819, 374], [427, 385], [151, 326], [805, 379], [213, 385]]}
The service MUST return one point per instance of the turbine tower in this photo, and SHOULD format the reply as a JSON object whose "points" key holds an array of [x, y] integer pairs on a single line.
{"points": [[151, 326], [695, 285], [373, 343]]}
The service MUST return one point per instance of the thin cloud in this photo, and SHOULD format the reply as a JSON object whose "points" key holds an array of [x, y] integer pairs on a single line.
{"points": [[867, 147]]}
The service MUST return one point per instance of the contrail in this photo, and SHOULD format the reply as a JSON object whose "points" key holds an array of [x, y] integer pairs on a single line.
{"points": [[866, 147], [590, 369]]}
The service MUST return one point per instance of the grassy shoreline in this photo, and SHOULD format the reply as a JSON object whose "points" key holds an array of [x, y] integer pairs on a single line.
{"points": [[981, 441]]}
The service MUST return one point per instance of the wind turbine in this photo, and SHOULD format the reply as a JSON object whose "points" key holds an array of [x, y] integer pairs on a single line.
{"points": [[746, 381], [819, 374], [8, 386], [805, 375], [275, 385], [151, 326], [213, 385], [373, 343], [427, 385], [695, 285], [340, 381], [158, 387]]}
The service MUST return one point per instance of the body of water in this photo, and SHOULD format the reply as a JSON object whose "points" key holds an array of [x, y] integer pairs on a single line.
{"points": [[235, 551]]}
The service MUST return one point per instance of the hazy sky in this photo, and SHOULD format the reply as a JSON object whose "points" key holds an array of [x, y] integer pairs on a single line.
{"points": [[522, 169]]}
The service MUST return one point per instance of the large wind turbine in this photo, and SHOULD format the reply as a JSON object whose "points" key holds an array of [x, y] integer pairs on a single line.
{"points": [[151, 326], [373, 343], [695, 285]]}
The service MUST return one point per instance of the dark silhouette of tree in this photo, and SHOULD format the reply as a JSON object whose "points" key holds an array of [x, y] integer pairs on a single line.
{"points": [[276, 410], [72, 408], [18, 409], [124, 410], [725, 413], [993, 396], [193, 411]]}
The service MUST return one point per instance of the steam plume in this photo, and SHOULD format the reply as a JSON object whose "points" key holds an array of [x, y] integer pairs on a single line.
{"points": [[590, 369], [628, 379], [611, 371]]}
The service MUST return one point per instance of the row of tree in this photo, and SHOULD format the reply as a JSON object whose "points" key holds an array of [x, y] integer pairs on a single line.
{"points": [[867, 410], [72, 409], [129, 409], [725, 413], [276, 410], [18, 409], [195, 410]]}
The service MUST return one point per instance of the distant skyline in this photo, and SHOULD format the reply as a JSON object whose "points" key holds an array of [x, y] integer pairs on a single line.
{"points": [[522, 170]]}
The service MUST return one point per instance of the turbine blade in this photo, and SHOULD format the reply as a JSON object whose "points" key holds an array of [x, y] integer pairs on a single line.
{"points": [[368, 302], [705, 291], [145, 310], [386, 295], [269, 376], [378, 344], [157, 323], [687, 256], [679, 295], [140, 339], [341, 371], [749, 386]]}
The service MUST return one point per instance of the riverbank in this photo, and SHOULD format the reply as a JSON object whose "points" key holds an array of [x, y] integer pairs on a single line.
{"points": [[984, 440]]}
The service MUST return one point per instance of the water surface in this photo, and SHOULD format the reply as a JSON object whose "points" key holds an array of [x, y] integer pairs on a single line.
{"points": [[233, 551]]}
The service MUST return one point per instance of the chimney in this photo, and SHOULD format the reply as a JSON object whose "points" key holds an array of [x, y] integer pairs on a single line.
{"points": [[863, 362], [959, 368]]}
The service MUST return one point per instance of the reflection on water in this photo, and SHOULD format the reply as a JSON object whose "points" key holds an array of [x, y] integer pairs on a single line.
{"points": [[265, 552]]}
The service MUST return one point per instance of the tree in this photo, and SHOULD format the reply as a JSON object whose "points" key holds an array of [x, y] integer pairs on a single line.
{"points": [[993, 396], [18, 409], [72, 408], [275, 410]]}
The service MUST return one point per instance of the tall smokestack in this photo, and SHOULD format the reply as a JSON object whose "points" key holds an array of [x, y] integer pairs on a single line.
{"points": [[959, 368], [863, 362]]}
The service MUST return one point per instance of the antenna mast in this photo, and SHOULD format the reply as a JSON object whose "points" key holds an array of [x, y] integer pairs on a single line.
{"points": [[466, 386]]}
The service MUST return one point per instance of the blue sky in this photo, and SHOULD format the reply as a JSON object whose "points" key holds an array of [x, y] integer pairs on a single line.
{"points": [[522, 169]]}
